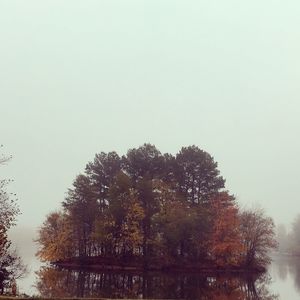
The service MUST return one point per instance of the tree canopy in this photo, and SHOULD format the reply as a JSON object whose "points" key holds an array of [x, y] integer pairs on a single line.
{"points": [[152, 208]]}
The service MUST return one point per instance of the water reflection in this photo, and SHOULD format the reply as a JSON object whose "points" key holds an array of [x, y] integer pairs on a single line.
{"points": [[55, 282], [289, 266]]}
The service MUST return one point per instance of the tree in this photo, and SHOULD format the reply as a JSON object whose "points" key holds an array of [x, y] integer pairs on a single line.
{"points": [[82, 207], [144, 162], [101, 173], [144, 165], [258, 235], [8, 209], [226, 239], [197, 175], [55, 238], [11, 269], [11, 266], [182, 230], [126, 215]]}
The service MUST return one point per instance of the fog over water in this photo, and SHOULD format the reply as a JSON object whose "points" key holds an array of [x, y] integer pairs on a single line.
{"points": [[80, 77]]}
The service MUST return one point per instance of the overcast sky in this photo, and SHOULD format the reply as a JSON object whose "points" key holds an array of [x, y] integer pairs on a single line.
{"points": [[80, 77]]}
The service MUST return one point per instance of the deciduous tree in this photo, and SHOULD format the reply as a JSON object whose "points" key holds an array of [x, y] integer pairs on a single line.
{"points": [[11, 266], [226, 239], [258, 235], [55, 238]]}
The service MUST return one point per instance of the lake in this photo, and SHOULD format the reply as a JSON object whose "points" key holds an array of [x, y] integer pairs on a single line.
{"points": [[281, 282]]}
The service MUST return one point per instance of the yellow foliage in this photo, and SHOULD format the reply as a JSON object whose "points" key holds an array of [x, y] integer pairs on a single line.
{"points": [[55, 238]]}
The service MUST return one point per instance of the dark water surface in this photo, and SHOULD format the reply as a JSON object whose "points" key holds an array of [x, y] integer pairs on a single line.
{"points": [[281, 282]]}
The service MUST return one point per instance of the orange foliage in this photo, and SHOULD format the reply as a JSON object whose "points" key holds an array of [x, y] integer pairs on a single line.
{"points": [[226, 243]]}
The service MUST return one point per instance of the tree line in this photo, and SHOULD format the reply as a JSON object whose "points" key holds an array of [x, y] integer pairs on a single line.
{"points": [[155, 208]]}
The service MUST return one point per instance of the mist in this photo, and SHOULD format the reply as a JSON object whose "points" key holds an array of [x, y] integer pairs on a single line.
{"points": [[78, 78]]}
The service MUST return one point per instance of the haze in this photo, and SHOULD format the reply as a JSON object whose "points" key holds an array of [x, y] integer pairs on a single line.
{"points": [[80, 77]]}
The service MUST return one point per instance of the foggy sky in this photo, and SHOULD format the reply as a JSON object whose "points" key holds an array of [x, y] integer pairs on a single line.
{"points": [[80, 77]]}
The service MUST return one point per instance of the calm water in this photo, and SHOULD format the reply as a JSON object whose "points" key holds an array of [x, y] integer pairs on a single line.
{"points": [[281, 282]]}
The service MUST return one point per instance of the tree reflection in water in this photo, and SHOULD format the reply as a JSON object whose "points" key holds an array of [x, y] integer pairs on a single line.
{"points": [[294, 265], [55, 282], [289, 265]]}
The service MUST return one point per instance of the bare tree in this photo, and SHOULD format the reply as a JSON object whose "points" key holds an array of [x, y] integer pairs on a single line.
{"points": [[11, 266], [258, 233]]}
